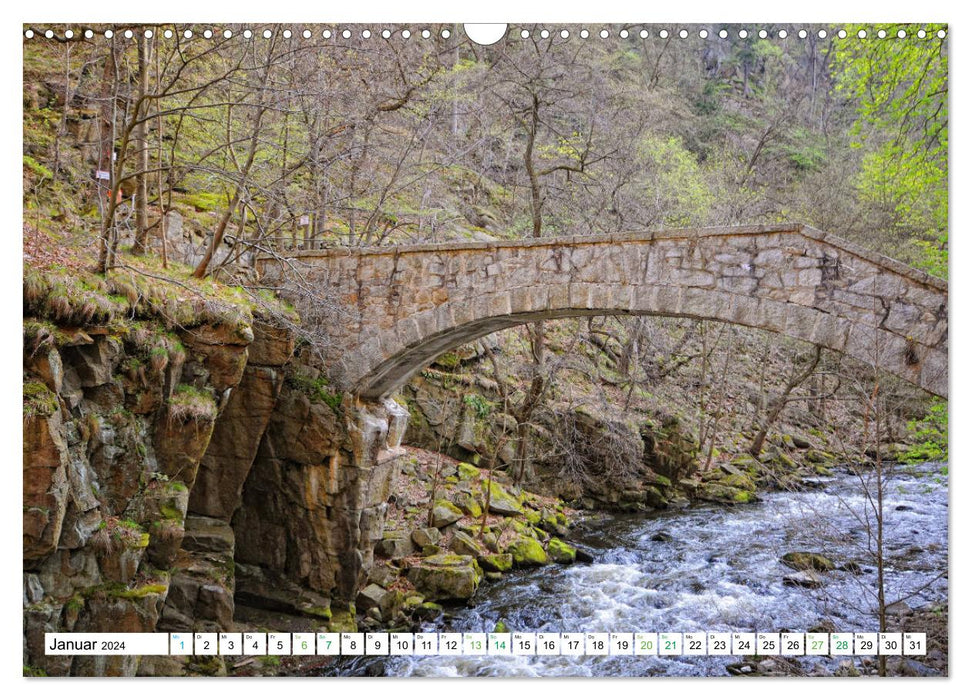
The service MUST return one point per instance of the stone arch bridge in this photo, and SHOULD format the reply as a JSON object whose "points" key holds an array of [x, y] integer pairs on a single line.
{"points": [[400, 307]]}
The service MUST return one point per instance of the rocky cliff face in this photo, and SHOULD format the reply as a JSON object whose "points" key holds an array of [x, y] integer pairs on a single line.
{"points": [[165, 474]]}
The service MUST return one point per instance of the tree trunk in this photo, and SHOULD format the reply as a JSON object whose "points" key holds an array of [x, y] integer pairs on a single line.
{"points": [[141, 141]]}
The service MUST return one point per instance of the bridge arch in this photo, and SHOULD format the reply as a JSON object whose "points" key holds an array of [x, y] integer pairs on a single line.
{"points": [[410, 304]]}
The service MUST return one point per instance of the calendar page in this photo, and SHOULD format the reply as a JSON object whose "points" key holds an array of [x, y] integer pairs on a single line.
{"points": [[546, 349]]}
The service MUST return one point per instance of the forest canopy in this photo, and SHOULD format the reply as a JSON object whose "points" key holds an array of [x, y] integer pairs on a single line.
{"points": [[337, 138]]}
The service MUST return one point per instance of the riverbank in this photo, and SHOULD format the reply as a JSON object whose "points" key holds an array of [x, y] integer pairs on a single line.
{"points": [[709, 567]]}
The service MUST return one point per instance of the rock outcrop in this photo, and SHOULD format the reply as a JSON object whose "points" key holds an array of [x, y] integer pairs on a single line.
{"points": [[168, 475]]}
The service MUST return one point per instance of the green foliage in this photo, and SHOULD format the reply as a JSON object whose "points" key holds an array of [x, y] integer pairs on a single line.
{"points": [[673, 181], [38, 400], [36, 168], [901, 89], [478, 404], [315, 388], [189, 403], [930, 434]]}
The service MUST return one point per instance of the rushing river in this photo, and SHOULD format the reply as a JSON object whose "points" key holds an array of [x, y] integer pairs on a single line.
{"points": [[707, 568]]}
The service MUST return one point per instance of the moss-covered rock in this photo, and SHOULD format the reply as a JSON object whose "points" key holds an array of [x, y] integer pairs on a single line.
{"points": [[560, 552], [654, 498], [467, 472], [738, 481], [446, 577], [343, 620], [501, 502], [444, 513], [464, 544], [467, 504], [720, 493], [496, 562], [806, 561], [527, 551]]}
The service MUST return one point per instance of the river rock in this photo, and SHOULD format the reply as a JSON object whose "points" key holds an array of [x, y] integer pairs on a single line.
{"points": [[584, 557], [446, 577], [806, 579], [912, 668], [527, 551], [444, 513], [722, 493], [804, 561], [426, 536], [495, 562], [560, 552]]}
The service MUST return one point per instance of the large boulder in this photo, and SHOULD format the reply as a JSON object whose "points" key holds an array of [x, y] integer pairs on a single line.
{"points": [[464, 544], [560, 552], [527, 551], [426, 536], [501, 502], [446, 577], [444, 513], [496, 562]]}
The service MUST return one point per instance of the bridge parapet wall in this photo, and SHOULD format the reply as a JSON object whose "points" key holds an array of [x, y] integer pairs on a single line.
{"points": [[402, 306]]}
